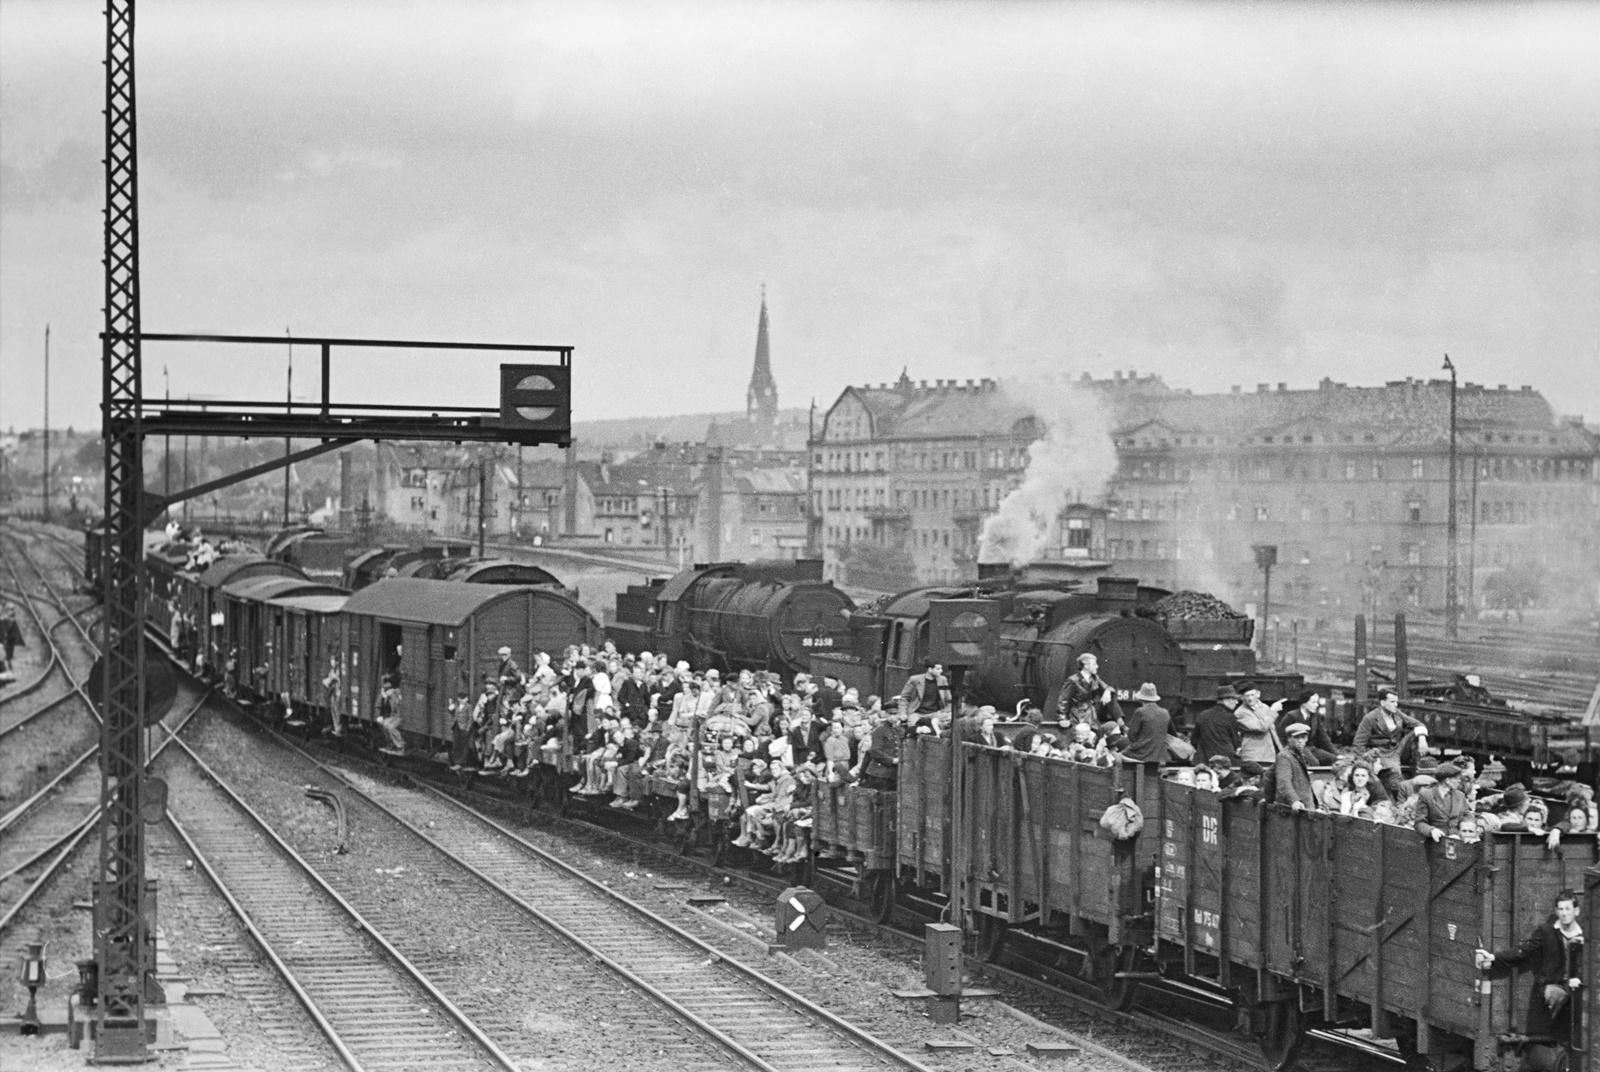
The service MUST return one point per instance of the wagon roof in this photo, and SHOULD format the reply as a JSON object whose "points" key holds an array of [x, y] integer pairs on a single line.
{"points": [[416, 599], [274, 587], [320, 604], [225, 569]]}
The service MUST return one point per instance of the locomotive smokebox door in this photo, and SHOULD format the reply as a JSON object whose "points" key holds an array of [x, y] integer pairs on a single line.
{"points": [[962, 632]]}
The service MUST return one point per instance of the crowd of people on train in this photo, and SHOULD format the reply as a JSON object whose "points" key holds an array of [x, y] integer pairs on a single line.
{"points": [[756, 751]]}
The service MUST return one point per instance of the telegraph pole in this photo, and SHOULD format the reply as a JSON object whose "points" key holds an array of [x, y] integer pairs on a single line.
{"points": [[288, 398], [1451, 610], [483, 501], [46, 508]]}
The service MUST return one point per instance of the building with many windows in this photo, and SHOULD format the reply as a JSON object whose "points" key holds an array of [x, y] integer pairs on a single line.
{"points": [[1349, 484]]}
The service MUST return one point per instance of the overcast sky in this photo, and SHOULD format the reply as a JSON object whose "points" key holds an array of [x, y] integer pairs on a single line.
{"points": [[1219, 194]]}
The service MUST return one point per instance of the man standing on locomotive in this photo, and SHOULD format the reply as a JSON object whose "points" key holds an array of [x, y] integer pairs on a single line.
{"points": [[1086, 698], [1552, 956]]}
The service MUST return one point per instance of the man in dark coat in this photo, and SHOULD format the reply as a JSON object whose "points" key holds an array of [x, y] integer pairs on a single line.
{"points": [[1085, 697], [1313, 711], [1442, 806], [1216, 731], [923, 693], [1291, 776], [1552, 956], [1148, 728]]}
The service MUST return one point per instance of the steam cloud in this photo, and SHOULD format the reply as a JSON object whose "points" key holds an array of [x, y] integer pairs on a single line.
{"points": [[1073, 462]]}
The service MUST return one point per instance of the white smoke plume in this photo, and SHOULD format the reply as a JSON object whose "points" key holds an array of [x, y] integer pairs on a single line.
{"points": [[1073, 462]]}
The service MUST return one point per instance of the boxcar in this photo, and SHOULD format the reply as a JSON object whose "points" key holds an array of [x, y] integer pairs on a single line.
{"points": [[441, 637], [202, 599], [263, 633]]}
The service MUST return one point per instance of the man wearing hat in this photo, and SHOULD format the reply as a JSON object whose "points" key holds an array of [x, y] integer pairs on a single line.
{"points": [[1313, 711], [509, 673], [1291, 773], [1148, 728], [1216, 731], [1442, 806]]}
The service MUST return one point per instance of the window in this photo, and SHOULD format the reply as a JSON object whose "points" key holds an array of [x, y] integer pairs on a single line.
{"points": [[755, 537], [1377, 468], [1077, 532], [1349, 468], [1413, 553], [1416, 468], [1413, 510], [1261, 512]]}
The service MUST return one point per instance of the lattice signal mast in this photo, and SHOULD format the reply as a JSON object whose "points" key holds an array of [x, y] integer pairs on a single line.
{"points": [[122, 917], [534, 407]]}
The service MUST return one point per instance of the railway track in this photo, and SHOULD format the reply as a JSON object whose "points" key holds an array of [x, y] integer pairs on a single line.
{"points": [[39, 835], [1143, 1038], [718, 1012], [377, 1008]]}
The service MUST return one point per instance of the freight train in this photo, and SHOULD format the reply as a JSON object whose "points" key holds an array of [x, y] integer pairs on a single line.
{"points": [[1301, 921]]}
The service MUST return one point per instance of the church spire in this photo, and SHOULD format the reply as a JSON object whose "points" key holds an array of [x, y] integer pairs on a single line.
{"points": [[761, 401]]}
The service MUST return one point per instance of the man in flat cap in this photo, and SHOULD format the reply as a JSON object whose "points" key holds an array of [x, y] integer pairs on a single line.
{"points": [[1292, 773], [1442, 806]]}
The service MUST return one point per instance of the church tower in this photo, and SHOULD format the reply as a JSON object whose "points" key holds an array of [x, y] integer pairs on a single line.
{"points": [[761, 401]]}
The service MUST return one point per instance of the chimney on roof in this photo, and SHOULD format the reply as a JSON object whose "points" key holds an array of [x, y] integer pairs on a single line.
{"points": [[1261, 388], [1116, 374], [1527, 389], [1237, 389], [1282, 387], [1326, 384], [1133, 374], [923, 384], [1500, 387]]}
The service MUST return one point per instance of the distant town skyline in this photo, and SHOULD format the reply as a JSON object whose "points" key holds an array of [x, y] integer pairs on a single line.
{"points": [[1216, 194]]}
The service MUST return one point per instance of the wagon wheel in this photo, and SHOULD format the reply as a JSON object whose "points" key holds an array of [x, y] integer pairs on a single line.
{"points": [[1405, 1040], [1283, 1030], [719, 842], [1101, 966], [880, 895], [805, 870], [990, 937]]}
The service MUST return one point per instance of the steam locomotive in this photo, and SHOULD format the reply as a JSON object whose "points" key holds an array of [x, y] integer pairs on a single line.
{"points": [[782, 616]]}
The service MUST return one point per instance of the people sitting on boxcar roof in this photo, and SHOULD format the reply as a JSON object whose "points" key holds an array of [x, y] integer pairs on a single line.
{"points": [[1552, 957]]}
